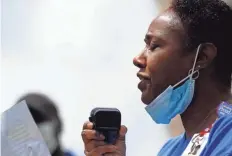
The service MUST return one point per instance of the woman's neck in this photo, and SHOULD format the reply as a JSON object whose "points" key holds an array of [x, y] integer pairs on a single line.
{"points": [[202, 112]]}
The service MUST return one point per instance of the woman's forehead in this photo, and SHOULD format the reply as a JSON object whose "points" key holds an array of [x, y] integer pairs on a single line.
{"points": [[167, 19], [166, 23]]}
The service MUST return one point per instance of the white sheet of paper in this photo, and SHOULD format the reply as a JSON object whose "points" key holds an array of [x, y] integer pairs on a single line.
{"points": [[19, 133]]}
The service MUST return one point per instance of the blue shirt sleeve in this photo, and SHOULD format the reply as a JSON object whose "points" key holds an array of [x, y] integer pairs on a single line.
{"points": [[166, 149], [220, 138], [174, 147]]}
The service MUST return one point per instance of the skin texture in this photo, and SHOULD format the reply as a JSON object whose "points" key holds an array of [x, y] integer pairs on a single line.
{"points": [[163, 62]]}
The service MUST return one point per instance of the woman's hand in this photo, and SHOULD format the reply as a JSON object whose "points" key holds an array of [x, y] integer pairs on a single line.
{"points": [[95, 145]]}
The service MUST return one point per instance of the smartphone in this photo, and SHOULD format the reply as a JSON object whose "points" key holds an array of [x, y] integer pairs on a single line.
{"points": [[106, 121]]}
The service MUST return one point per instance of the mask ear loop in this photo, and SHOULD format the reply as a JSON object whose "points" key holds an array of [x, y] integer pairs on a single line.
{"points": [[191, 71], [192, 74]]}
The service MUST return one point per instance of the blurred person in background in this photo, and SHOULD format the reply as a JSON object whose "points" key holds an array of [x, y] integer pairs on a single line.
{"points": [[46, 115], [184, 69]]}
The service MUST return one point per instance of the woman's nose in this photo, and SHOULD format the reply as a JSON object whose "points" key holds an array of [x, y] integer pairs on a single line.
{"points": [[140, 61]]}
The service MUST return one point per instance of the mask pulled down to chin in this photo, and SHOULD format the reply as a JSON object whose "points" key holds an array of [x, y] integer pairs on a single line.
{"points": [[174, 100]]}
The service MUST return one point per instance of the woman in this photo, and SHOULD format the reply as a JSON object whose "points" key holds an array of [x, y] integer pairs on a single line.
{"points": [[185, 69]]}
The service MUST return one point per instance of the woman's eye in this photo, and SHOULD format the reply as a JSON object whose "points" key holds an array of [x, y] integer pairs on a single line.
{"points": [[153, 47]]}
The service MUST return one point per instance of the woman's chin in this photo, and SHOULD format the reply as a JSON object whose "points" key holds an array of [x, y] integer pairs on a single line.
{"points": [[146, 98]]}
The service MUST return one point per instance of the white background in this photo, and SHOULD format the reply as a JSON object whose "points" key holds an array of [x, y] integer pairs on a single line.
{"points": [[79, 53]]}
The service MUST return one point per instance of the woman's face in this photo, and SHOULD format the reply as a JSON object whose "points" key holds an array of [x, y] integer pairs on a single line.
{"points": [[163, 62]]}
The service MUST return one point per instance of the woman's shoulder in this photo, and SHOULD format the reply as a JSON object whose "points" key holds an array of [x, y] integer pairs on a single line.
{"points": [[222, 129], [176, 139], [171, 145], [220, 140], [222, 125]]}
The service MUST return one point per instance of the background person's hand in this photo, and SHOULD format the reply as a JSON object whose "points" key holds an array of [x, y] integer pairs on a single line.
{"points": [[95, 145]]}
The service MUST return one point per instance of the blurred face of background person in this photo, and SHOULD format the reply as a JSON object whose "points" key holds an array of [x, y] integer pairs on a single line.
{"points": [[46, 116]]}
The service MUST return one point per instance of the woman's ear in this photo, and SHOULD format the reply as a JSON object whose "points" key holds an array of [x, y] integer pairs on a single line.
{"points": [[207, 54]]}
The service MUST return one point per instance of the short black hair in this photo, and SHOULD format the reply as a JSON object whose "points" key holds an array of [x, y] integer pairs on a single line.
{"points": [[209, 21]]}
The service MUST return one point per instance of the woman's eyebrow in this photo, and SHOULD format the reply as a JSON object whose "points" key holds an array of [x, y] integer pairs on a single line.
{"points": [[158, 35]]}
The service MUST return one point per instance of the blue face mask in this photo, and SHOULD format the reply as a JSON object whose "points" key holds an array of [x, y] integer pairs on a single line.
{"points": [[173, 101]]}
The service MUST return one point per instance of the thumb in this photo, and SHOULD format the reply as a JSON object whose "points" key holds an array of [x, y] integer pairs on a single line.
{"points": [[122, 133], [121, 142]]}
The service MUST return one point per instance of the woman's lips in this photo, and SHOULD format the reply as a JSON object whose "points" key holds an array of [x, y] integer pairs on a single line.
{"points": [[143, 84], [145, 80]]}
